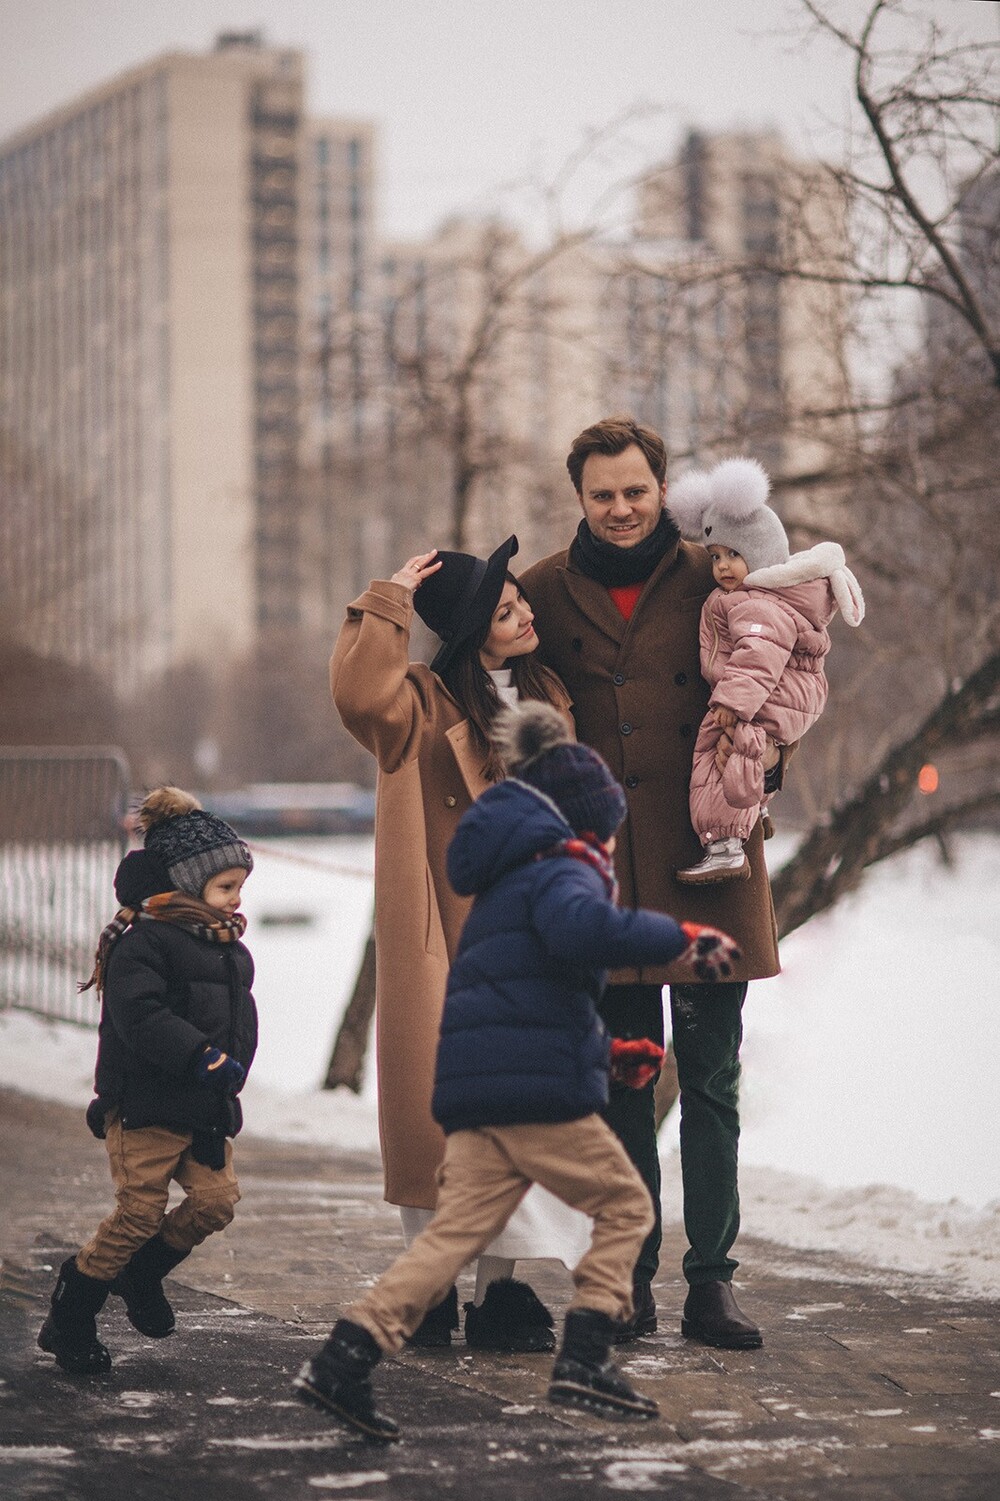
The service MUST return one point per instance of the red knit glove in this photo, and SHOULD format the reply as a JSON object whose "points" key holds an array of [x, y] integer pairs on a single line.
{"points": [[634, 1061], [710, 954]]}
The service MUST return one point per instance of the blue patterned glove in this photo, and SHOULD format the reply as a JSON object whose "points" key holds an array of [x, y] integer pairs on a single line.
{"points": [[218, 1069]]}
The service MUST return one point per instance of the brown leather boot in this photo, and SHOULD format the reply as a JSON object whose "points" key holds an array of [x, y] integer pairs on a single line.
{"points": [[713, 1317]]}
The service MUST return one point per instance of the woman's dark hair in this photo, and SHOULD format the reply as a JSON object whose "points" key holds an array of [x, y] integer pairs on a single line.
{"points": [[471, 686]]}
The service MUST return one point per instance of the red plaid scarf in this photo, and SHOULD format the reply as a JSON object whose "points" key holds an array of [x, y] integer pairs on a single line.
{"points": [[188, 912], [589, 849]]}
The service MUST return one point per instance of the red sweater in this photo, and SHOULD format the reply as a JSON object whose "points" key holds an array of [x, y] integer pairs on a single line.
{"points": [[626, 597]]}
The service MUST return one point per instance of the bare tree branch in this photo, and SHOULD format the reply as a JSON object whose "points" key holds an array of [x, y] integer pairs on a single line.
{"points": [[836, 853]]}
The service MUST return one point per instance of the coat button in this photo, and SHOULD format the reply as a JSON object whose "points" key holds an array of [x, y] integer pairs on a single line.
{"points": [[626, 728], [578, 643], [618, 679], [680, 678], [450, 801], [631, 781], [684, 731]]}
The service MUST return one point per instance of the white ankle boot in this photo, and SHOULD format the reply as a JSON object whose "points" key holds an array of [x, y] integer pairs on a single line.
{"points": [[725, 860]]}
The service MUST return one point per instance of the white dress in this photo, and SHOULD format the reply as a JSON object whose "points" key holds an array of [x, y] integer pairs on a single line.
{"points": [[542, 1227]]}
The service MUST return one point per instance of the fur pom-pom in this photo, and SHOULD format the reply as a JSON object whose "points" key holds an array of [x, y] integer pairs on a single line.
{"points": [[687, 498], [523, 732], [164, 802], [739, 487]]}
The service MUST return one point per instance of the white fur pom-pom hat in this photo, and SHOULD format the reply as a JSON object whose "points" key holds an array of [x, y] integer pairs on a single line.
{"points": [[728, 506]]}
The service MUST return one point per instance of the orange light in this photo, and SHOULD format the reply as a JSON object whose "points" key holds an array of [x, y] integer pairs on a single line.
{"points": [[927, 778]]}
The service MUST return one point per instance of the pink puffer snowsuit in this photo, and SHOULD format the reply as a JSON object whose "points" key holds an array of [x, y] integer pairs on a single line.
{"points": [[763, 649]]}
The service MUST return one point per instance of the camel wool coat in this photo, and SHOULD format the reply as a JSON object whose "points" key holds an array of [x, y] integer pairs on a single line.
{"points": [[429, 774], [638, 698]]}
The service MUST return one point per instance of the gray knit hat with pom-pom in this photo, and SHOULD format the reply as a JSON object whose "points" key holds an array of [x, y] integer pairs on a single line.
{"points": [[536, 746], [192, 845], [728, 506]]}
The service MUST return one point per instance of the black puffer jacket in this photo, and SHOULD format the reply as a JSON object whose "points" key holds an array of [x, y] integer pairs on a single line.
{"points": [[167, 995]]}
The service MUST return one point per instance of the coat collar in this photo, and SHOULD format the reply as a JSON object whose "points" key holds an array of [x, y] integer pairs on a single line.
{"points": [[463, 742], [594, 600]]}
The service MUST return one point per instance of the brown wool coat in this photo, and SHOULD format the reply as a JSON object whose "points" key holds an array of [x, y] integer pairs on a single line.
{"points": [[429, 773], [638, 698]]}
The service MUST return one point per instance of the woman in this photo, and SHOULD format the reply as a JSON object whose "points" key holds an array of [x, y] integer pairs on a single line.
{"points": [[428, 728]]}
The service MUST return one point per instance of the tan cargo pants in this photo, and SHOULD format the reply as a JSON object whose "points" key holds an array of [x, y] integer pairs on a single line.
{"points": [[484, 1175], [143, 1164]]}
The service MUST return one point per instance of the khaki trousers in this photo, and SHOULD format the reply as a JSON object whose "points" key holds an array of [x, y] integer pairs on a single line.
{"points": [[484, 1175], [143, 1164]]}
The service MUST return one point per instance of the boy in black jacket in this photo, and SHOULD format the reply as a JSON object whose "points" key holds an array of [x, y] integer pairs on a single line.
{"points": [[178, 1033]]}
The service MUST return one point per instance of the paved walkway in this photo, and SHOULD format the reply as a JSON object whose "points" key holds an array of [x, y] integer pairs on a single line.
{"points": [[864, 1388]]}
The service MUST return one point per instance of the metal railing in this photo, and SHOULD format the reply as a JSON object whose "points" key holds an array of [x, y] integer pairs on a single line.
{"points": [[62, 834]]}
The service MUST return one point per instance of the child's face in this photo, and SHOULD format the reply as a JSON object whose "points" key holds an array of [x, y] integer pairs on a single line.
{"points": [[223, 891], [728, 568]]}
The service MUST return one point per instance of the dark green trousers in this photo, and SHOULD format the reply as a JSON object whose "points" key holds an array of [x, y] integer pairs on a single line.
{"points": [[707, 1024]]}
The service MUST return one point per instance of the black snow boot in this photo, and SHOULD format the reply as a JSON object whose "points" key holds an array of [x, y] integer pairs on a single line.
{"points": [[434, 1331], [584, 1377], [643, 1320], [511, 1317], [140, 1285], [70, 1331], [337, 1380]]}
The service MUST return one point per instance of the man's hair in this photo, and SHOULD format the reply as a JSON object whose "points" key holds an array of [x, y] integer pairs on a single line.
{"points": [[612, 435]]}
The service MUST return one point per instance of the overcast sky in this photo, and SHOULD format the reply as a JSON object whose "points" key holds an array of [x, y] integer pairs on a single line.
{"points": [[472, 94]]}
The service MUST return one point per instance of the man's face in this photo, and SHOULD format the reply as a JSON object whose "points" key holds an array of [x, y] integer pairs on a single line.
{"points": [[620, 497]]}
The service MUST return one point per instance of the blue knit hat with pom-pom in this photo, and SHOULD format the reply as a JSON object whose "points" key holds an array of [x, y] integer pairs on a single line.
{"points": [[536, 746]]}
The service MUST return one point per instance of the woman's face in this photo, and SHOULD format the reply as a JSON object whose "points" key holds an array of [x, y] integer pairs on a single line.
{"points": [[511, 631]]}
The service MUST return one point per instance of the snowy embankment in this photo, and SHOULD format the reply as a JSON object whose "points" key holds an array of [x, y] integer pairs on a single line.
{"points": [[870, 1094]]}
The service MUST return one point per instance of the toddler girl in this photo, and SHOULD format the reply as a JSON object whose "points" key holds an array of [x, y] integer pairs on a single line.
{"points": [[764, 641]]}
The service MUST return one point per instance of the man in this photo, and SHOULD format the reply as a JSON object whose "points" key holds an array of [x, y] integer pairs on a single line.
{"points": [[617, 617]]}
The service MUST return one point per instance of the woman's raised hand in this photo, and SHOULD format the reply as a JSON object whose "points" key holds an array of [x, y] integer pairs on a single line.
{"points": [[415, 570]]}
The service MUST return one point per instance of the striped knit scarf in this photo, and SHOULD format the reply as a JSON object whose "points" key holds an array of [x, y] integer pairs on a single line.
{"points": [[589, 849], [187, 912]]}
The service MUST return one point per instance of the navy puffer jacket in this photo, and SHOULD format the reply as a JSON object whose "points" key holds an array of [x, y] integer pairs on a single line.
{"points": [[167, 995], [521, 1041]]}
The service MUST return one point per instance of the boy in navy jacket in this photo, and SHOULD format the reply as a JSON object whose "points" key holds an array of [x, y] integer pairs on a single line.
{"points": [[522, 1068], [177, 1036]]}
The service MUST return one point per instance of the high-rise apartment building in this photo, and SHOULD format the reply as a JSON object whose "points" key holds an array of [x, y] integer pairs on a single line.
{"points": [[496, 354], [339, 407], [490, 365], [733, 214], [170, 242], [224, 404]]}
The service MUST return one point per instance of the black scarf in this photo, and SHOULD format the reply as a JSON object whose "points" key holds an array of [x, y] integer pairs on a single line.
{"points": [[613, 566]]}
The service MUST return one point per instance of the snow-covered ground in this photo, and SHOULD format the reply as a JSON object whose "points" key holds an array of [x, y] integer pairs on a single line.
{"points": [[870, 1095]]}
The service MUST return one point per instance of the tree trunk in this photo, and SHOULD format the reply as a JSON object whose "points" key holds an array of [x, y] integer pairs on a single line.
{"points": [[347, 1060], [834, 856]]}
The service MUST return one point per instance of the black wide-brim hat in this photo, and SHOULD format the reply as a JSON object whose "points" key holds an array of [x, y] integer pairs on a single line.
{"points": [[458, 600]]}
